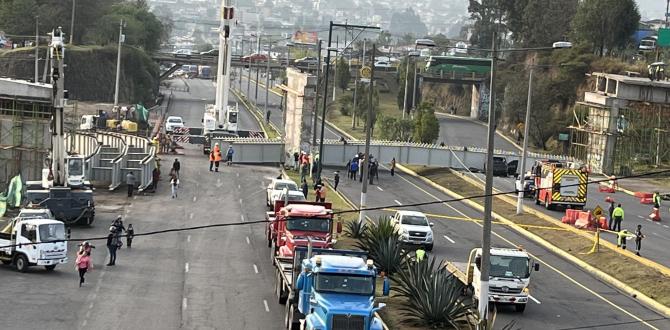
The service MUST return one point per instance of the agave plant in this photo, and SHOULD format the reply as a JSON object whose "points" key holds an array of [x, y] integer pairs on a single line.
{"points": [[355, 229], [381, 241], [433, 296]]}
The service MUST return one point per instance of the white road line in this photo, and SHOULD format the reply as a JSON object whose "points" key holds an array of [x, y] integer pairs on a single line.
{"points": [[184, 303], [190, 215], [396, 201], [449, 239], [665, 226], [380, 188], [238, 174], [535, 300], [186, 267], [255, 269], [240, 200], [83, 324], [238, 186], [188, 238], [242, 217], [88, 314], [648, 220], [90, 306], [267, 308], [641, 217], [194, 199], [658, 223], [248, 241]]}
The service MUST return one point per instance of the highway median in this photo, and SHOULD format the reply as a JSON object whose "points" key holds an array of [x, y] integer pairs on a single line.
{"points": [[270, 131], [632, 275]]}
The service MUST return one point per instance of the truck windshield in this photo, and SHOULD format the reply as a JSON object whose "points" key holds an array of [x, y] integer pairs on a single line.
{"points": [[347, 284], [52, 232], [309, 224], [508, 266], [74, 167]]}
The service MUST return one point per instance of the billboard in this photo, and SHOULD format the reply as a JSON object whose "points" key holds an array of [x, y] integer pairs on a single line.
{"points": [[304, 37]]}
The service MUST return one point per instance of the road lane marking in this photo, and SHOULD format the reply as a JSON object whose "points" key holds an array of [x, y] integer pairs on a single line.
{"points": [[184, 303], [238, 174], [665, 226], [194, 199], [188, 238], [240, 200], [396, 201], [255, 269], [535, 300], [242, 216], [88, 314], [248, 241], [570, 279], [449, 239], [380, 188], [238, 186], [190, 216], [83, 324], [186, 267], [90, 306], [267, 308], [641, 217]]}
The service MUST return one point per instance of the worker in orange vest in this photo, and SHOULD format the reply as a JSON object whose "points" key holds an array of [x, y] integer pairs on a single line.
{"points": [[320, 193], [217, 158]]}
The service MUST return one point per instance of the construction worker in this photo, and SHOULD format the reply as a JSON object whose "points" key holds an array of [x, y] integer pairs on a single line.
{"points": [[638, 239], [621, 238], [611, 212], [618, 215], [217, 158], [657, 200], [211, 160], [420, 254]]}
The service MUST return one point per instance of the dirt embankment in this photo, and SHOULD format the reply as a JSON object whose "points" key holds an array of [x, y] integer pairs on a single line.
{"points": [[91, 71]]}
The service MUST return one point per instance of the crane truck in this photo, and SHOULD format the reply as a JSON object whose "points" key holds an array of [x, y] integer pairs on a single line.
{"points": [[63, 189], [32, 241], [328, 289], [212, 128], [292, 223]]}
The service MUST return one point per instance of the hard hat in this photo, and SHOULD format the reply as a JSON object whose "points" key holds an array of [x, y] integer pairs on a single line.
{"points": [[216, 144], [118, 217]]}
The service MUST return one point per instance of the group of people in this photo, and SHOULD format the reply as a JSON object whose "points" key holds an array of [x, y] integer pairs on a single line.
{"points": [[215, 157], [616, 216], [165, 143], [355, 165], [84, 261]]}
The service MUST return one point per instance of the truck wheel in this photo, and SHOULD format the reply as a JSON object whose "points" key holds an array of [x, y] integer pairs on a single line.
{"points": [[520, 308], [547, 205], [293, 321], [21, 263], [269, 239], [50, 267], [537, 200]]}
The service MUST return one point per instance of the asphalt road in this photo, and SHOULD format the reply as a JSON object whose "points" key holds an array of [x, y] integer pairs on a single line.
{"points": [[565, 297], [460, 131]]}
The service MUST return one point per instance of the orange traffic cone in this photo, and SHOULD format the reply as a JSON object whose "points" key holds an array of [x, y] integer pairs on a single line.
{"points": [[655, 215]]}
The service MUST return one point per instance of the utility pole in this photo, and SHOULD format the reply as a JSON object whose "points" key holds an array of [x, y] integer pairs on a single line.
{"points": [[316, 95], [249, 73], [404, 106], [526, 128], [118, 69], [368, 135], [488, 190], [241, 55], [353, 110], [267, 77], [414, 83], [257, 70], [337, 41], [74, 5], [37, 48]]}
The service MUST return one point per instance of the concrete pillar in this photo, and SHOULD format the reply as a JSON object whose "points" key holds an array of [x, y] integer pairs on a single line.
{"points": [[474, 103], [607, 159]]}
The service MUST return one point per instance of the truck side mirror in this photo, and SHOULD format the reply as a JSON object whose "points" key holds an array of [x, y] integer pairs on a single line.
{"points": [[478, 262], [536, 266], [339, 227]]}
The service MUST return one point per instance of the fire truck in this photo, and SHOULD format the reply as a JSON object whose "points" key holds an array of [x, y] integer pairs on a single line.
{"points": [[560, 183]]}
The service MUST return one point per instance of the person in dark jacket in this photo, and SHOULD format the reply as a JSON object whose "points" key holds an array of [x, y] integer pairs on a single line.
{"points": [[611, 210], [176, 166], [112, 245], [155, 177], [305, 188], [130, 182], [336, 180], [130, 234]]}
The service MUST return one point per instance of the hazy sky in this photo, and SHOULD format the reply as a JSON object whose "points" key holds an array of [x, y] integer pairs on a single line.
{"points": [[651, 9]]}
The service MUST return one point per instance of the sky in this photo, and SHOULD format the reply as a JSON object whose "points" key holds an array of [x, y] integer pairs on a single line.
{"points": [[651, 9]]}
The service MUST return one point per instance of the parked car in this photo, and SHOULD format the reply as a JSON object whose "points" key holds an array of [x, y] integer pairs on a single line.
{"points": [[293, 196], [307, 61], [275, 189], [414, 228], [255, 57], [527, 186], [182, 53], [383, 64], [211, 52], [173, 122], [512, 167], [499, 166]]}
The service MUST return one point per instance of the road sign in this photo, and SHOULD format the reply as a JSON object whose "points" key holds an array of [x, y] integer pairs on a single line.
{"points": [[597, 212], [366, 72], [663, 37]]}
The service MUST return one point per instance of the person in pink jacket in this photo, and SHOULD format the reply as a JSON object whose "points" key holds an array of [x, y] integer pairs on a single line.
{"points": [[83, 264]]}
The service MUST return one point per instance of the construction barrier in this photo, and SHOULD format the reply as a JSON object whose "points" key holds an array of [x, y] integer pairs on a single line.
{"points": [[641, 194], [655, 215], [646, 200]]}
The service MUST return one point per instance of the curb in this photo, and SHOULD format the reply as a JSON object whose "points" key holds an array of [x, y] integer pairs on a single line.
{"points": [[339, 130], [263, 85], [661, 268], [642, 298]]}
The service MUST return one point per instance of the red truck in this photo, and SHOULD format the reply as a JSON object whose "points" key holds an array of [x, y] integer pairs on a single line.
{"points": [[290, 225]]}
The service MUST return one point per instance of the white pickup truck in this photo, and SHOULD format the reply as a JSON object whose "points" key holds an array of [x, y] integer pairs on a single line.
{"points": [[414, 228], [33, 241]]}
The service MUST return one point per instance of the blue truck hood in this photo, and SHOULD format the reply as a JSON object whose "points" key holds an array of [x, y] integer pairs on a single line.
{"points": [[336, 303]]}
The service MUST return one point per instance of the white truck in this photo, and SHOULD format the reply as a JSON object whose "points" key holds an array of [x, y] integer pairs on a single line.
{"points": [[33, 241], [509, 275]]}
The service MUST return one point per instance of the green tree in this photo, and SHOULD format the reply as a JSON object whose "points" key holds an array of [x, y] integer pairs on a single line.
{"points": [[343, 74], [488, 16], [395, 129], [384, 38], [407, 21], [363, 103], [16, 16], [605, 25], [426, 124], [143, 29]]}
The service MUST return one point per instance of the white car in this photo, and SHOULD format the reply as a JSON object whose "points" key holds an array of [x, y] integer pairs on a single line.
{"points": [[173, 122], [275, 189], [414, 228], [293, 196], [35, 213], [383, 64]]}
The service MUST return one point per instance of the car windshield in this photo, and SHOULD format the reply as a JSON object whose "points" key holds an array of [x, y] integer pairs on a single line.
{"points": [[52, 232], [508, 266], [289, 185], [174, 120], [309, 224], [414, 220], [347, 284]]}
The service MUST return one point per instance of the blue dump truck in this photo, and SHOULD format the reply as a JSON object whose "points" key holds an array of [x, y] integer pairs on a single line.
{"points": [[328, 290]]}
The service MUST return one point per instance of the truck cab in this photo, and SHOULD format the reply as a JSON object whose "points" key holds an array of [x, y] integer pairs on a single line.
{"points": [[294, 223], [509, 276], [21, 234], [335, 290]]}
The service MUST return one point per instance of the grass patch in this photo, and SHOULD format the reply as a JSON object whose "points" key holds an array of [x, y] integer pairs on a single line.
{"points": [[647, 280]]}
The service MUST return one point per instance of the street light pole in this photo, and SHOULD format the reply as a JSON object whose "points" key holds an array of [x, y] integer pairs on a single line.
{"points": [[267, 77], [258, 69], [404, 106], [488, 190], [118, 67], [325, 100], [368, 135], [526, 128], [316, 95], [74, 4], [414, 83]]}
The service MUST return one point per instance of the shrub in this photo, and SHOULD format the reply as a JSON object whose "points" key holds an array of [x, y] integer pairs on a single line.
{"points": [[381, 241]]}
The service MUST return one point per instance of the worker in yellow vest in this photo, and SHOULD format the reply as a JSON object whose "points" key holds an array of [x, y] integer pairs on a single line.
{"points": [[618, 215], [420, 254]]}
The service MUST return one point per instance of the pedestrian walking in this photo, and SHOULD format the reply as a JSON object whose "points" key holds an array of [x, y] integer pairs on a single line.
{"points": [[611, 212], [657, 200], [229, 155], [267, 117], [83, 264], [296, 161], [638, 239], [336, 180], [174, 183], [130, 233], [176, 166], [304, 169], [112, 245], [305, 188], [618, 217], [130, 182], [393, 166], [348, 168], [354, 168], [155, 177]]}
